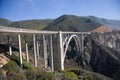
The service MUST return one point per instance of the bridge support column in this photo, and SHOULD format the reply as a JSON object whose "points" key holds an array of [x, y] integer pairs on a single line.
{"points": [[61, 51], [34, 44], [38, 56], [45, 51], [20, 50], [82, 43], [10, 47], [51, 51], [27, 56]]}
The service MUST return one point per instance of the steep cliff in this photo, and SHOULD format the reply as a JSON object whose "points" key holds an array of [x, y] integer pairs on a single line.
{"points": [[102, 53]]}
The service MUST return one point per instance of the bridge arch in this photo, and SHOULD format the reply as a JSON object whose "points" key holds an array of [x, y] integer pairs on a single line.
{"points": [[77, 42]]}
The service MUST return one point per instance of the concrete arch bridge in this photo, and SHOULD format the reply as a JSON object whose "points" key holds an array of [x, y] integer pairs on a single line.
{"points": [[52, 46]]}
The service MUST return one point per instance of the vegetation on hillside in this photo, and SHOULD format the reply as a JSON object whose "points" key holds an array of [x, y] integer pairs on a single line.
{"points": [[114, 24], [96, 57], [72, 23], [31, 24], [4, 22], [12, 71], [64, 23]]}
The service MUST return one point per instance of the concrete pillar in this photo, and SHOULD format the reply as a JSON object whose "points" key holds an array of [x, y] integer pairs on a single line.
{"points": [[34, 45], [27, 56], [10, 47], [51, 51], [61, 50], [38, 56], [82, 42], [20, 50], [45, 51]]}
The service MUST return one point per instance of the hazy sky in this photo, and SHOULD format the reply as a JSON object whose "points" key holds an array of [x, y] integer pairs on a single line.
{"points": [[41, 9]]}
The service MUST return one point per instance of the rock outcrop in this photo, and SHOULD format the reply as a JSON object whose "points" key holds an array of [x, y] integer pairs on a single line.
{"points": [[101, 29], [102, 53]]}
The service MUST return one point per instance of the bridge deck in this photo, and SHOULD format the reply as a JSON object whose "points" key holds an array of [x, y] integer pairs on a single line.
{"points": [[29, 31]]}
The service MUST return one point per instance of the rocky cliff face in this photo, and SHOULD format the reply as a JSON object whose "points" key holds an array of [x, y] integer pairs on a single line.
{"points": [[109, 39], [102, 53], [101, 29]]}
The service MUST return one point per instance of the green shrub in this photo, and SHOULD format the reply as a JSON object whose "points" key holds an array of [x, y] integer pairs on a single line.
{"points": [[27, 65], [75, 70], [11, 66], [58, 75], [1, 74], [85, 77], [88, 77], [46, 76], [80, 78], [31, 74], [15, 58], [61, 71], [36, 75], [70, 76], [14, 71], [16, 76], [0, 71]]}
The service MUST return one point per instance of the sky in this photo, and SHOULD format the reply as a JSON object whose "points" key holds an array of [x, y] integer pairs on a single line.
{"points": [[16, 10]]}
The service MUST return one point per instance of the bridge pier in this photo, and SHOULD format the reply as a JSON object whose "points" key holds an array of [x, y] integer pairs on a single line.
{"points": [[51, 52], [20, 50], [45, 51], [61, 50], [27, 56], [38, 56], [82, 43], [10, 47], [34, 45]]}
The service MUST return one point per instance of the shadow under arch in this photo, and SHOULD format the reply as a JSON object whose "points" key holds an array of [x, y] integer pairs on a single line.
{"points": [[77, 43]]}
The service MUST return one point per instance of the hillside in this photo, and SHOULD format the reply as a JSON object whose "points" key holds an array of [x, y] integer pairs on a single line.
{"points": [[11, 70], [31, 24], [101, 55], [72, 23], [27, 24], [113, 24], [64, 23], [4, 22]]}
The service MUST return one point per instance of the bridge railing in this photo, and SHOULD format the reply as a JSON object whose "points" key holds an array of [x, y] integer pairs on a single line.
{"points": [[4, 29]]}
